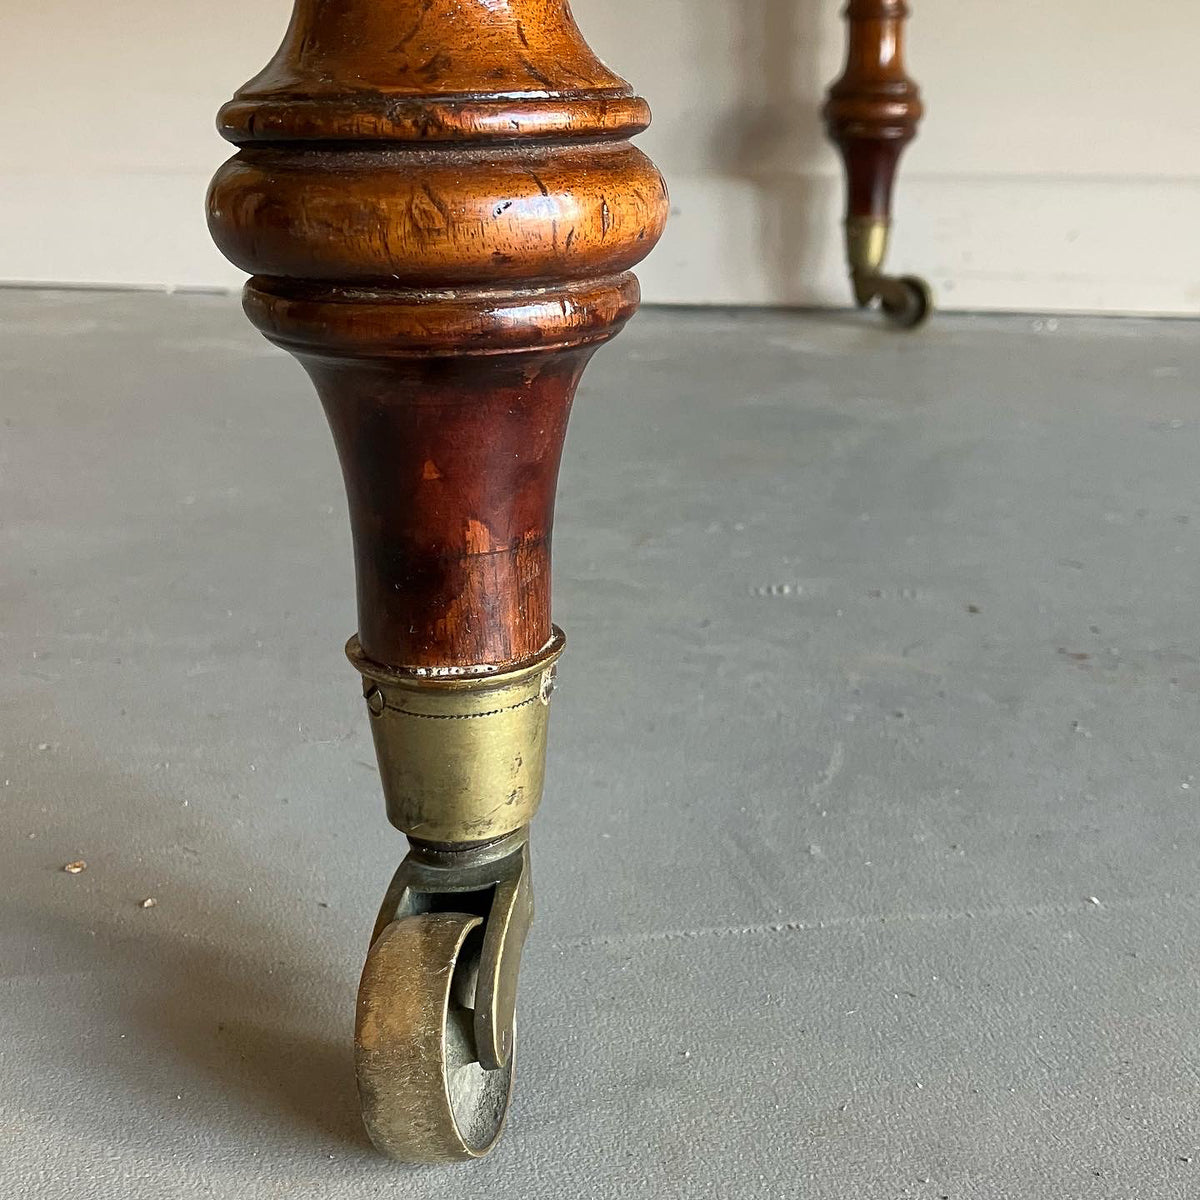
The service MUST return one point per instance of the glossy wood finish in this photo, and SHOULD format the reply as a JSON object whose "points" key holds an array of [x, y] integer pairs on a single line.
{"points": [[439, 206], [874, 107]]}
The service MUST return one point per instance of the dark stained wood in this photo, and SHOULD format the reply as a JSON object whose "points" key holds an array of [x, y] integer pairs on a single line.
{"points": [[439, 206], [874, 107]]}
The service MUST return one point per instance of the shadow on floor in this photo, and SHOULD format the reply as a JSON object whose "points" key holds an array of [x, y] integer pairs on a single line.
{"points": [[193, 1003]]}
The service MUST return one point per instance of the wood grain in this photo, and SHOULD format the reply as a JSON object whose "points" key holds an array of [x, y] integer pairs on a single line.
{"points": [[439, 206]]}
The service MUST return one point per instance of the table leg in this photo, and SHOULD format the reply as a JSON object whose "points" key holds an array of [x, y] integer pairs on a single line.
{"points": [[872, 113], [439, 206]]}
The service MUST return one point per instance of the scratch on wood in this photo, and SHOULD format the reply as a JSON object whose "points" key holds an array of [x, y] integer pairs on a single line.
{"points": [[544, 80]]}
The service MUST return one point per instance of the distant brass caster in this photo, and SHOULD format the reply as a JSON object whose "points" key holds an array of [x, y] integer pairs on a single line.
{"points": [[463, 761], [906, 300]]}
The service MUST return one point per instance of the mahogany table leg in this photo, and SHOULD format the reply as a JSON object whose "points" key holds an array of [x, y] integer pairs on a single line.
{"points": [[872, 113], [439, 205]]}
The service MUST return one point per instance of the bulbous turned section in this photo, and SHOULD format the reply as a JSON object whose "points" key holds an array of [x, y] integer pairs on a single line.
{"points": [[874, 108], [439, 205], [872, 114]]}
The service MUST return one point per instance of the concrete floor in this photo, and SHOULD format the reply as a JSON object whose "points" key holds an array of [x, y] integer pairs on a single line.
{"points": [[868, 863]]}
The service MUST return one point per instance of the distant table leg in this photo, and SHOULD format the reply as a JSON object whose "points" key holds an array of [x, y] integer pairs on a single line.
{"points": [[872, 113]]}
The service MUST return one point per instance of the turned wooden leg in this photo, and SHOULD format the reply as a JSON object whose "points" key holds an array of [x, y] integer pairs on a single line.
{"points": [[872, 114], [439, 205]]}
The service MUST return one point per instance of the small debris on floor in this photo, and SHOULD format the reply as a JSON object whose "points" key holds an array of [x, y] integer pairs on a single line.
{"points": [[149, 902], [1095, 900], [76, 867]]}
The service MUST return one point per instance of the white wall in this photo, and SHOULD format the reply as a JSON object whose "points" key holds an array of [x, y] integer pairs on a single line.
{"points": [[1058, 168]]}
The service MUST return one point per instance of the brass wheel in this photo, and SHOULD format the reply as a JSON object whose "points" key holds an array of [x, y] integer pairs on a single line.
{"points": [[425, 1096], [907, 302]]}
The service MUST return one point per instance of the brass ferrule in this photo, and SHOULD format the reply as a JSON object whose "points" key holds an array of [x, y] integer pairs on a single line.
{"points": [[462, 758], [866, 246]]}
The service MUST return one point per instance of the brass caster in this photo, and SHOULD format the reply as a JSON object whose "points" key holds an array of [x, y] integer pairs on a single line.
{"points": [[462, 760], [435, 1030], [906, 300]]}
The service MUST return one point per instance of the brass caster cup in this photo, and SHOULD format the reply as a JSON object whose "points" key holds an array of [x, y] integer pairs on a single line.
{"points": [[462, 758]]}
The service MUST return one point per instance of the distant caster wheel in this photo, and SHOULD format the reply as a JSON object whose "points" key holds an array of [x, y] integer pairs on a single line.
{"points": [[907, 301], [425, 1096]]}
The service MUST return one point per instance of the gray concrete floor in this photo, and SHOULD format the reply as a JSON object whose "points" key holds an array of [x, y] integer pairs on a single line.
{"points": [[868, 864]]}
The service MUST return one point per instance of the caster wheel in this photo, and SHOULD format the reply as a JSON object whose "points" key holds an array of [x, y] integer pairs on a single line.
{"points": [[425, 1097], [908, 302]]}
